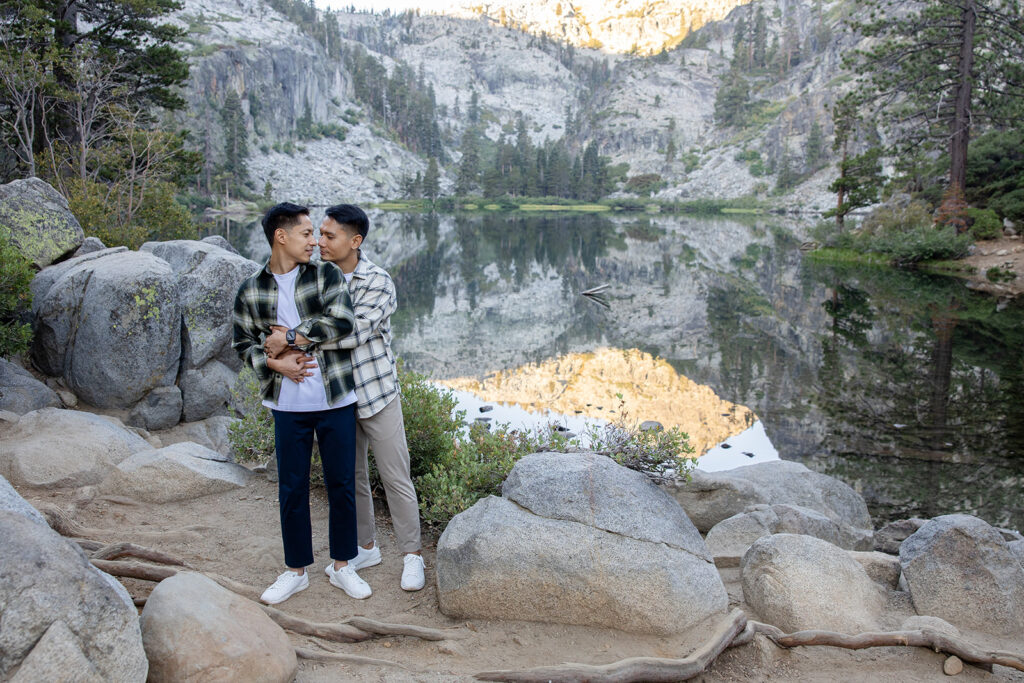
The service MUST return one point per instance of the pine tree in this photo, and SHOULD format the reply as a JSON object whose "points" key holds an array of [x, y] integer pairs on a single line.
{"points": [[860, 176], [432, 180], [469, 164], [760, 38], [236, 145], [813, 151]]}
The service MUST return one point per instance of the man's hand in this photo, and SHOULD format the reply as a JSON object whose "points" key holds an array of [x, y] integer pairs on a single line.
{"points": [[299, 339], [295, 365], [275, 344]]}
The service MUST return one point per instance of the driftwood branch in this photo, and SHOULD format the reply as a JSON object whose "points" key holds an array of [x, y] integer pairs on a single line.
{"points": [[134, 570], [931, 639], [636, 668]]}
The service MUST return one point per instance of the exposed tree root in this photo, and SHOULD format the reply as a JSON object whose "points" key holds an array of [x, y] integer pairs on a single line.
{"points": [[304, 653], [636, 668], [339, 633], [116, 550], [62, 521], [134, 570], [421, 632], [933, 640]]}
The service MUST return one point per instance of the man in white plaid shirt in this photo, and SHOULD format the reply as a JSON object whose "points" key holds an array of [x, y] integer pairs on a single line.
{"points": [[379, 423]]}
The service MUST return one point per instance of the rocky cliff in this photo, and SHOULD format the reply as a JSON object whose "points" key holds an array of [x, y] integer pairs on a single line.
{"points": [[654, 113]]}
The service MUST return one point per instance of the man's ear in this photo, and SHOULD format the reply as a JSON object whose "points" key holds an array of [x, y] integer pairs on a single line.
{"points": [[357, 241], [279, 236]]}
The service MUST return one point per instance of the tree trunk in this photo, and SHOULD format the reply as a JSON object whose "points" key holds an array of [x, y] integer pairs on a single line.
{"points": [[840, 214], [961, 126]]}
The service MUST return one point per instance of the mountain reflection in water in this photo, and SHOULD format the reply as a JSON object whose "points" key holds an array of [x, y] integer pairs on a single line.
{"points": [[906, 386]]}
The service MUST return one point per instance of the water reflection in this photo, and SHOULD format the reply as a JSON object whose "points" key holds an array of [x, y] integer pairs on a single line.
{"points": [[906, 386]]}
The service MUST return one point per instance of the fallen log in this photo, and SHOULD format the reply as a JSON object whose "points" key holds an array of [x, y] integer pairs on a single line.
{"points": [[635, 668]]}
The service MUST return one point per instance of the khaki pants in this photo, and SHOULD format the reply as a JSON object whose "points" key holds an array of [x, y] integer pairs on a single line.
{"points": [[385, 434]]}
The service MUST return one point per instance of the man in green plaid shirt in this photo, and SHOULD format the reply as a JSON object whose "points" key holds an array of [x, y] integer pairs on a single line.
{"points": [[308, 389]]}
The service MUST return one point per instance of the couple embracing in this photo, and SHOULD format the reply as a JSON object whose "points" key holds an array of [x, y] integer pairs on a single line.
{"points": [[318, 336]]}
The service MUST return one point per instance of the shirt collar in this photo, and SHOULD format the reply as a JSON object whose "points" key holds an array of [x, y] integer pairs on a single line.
{"points": [[269, 273], [363, 266]]}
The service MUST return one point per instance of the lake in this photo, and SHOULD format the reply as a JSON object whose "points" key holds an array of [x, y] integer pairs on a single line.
{"points": [[907, 386]]}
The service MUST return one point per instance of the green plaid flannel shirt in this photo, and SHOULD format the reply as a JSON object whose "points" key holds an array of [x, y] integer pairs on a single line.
{"points": [[322, 299]]}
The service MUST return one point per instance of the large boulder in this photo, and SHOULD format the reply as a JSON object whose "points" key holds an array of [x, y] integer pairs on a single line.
{"points": [[62, 619], [159, 409], [38, 221], [21, 393], [799, 582], [890, 536], [11, 501], [731, 537], [211, 432], [51, 448], [960, 569], [110, 325], [206, 391], [195, 630], [710, 497], [578, 540], [208, 277], [181, 471]]}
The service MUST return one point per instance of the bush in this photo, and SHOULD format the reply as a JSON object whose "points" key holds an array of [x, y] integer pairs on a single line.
{"points": [[15, 299], [985, 224], [105, 214], [892, 218], [252, 436], [922, 243]]}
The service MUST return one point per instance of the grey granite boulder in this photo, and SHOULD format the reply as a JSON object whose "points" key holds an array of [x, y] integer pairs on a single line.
{"points": [[1017, 548], [54, 601], [90, 245], [21, 393], [39, 222], [181, 471], [211, 432], [11, 501], [800, 582], [159, 409], [111, 327], [65, 448], [208, 277], [883, 568], [578, 540], [220, 241], [195, 630], [711, 497], [890, 536], [206, 391], [961, 569], [731, 537]]}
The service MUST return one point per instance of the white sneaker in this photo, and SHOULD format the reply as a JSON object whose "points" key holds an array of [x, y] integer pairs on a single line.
{"points": [[366, 558], [347, 580], [412, 573], [287, 585]]}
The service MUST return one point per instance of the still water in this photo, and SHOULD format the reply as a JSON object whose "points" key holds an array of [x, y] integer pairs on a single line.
{"points": [[908, 387]]}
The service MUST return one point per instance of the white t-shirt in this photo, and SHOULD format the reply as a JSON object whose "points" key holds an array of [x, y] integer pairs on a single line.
{"points": [[310, 394]]}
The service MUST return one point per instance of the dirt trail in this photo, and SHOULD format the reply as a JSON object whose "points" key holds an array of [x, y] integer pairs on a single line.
{"points": [[1007, 254], [243, 542]]}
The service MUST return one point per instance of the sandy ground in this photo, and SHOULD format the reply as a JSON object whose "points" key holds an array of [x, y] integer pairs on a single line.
{"points": [[1005, 253], [236, 534]]}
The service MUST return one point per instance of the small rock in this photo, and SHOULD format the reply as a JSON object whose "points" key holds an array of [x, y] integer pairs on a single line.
{"points": [[952, 666], [160, 409], [725, 445], [651, 426], [881, 567], [90, 245], [1002, 252], [486, 409], [890, 536]]}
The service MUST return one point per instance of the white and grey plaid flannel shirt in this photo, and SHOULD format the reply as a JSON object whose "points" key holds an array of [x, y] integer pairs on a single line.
{"points": [[373, 362]]}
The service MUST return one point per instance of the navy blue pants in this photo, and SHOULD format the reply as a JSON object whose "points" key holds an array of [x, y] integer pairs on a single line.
{"points": [[293, 438]]}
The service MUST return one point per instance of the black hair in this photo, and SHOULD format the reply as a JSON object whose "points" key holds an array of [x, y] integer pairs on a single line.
{"points": [[284, 215], [352, 216]]}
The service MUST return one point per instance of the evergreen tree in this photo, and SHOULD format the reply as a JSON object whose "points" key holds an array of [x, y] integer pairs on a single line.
{"points": [[474, 108], [236, 146], [813, 152], [469, 164], [432, 180], [860, 176], [956, 64], [732, 100], [760, 38]]}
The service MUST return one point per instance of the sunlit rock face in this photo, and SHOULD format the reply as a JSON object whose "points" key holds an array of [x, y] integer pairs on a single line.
{"points": [[591, 384]]}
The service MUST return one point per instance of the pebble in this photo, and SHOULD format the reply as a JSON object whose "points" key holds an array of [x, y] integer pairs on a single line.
{"points": [[486, 409], [952, 666]]}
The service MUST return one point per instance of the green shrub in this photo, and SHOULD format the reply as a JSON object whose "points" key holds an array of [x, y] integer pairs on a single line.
{"points": [[15, 299], [432, 425], [997, 274], [251, 436], [893, 219], [108, 213], [922, 243], [985, 224]]}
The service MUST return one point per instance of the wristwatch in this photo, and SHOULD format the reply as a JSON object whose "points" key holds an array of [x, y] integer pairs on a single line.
{"points": [[289, 337]]}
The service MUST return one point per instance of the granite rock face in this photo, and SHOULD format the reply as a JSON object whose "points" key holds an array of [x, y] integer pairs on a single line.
{"points": [[38, 221], [567, 545], [193, 629], [961, 569], [62, 619], [800, 582], [181, 471]]}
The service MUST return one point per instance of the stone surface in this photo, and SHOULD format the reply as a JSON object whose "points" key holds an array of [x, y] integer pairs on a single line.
{"points": [[890, 536], [195, 630], [90, 245], [800, 582], [61, 448], [1017, 548], [711, 497], [211, 432], [21, 393], [38, 220], [121, 306], [46, 580], [56, 657], [220, 241], [208, 278], [952, 666], [731, 537], [961, 569], [883, 568], [11, 501], [917, 623], [499, 561], [181, 471], [159, 409], [596, 491], [206, 391]]}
